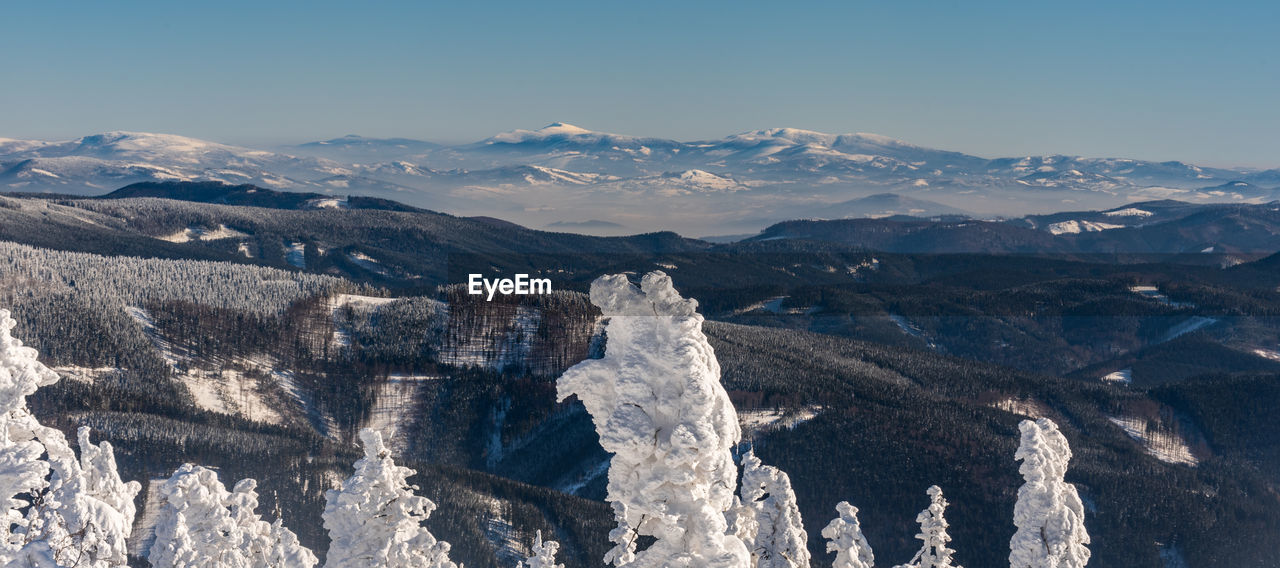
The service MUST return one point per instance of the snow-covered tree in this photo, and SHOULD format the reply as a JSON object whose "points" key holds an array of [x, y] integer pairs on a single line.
{"points": [[768, 519], [195, 526], [376, 520], [86, 513], [844, 537], [658, 406], [203, 524], [265, 545], [933, 531], [1048, 514], [83, 511], [544, 554]]}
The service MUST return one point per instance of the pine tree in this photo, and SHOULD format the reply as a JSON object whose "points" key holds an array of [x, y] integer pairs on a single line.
{"points": [[376, 520], [844, 537], [768, 517], [1049, 514], [933, 531], [544, 554], [658, 406]]}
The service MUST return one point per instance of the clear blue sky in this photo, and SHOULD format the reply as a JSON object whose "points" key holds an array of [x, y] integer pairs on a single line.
{"points": [[1159, 80]]}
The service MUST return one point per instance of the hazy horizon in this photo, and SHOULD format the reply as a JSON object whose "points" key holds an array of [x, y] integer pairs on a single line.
{"points": [[1183, 82]]}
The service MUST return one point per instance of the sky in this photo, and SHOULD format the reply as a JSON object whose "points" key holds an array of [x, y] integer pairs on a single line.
{"points": [[1158, 80]]}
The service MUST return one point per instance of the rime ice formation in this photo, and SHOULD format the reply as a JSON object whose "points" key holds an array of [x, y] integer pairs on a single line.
{"points": [[1048, 514], [195, 525], [768, 518], [264, 545], [933, 531], [544, 554], [658, 406], [376, 520], [844, 537], [203, 524], [87, 511], [82, 511]]}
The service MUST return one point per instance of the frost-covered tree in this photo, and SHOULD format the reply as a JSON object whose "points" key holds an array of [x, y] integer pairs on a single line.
{"points": [[844, 537], [203, 524], [1048, 514], [768, 518], [933, 531], [195, 526], [658, 406], [86, 513], [265, 545], [376, 520], [82, 511], [544, 554]]}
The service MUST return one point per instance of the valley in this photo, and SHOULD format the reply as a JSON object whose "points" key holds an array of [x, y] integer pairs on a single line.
{"points": [[868, 367]]}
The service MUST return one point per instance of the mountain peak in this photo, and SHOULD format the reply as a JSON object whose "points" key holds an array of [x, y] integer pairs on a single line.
{"points": [[562, 128], [553, 130]]}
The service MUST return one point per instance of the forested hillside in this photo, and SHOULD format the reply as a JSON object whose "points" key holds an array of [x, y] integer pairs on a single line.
{"points": [[867, 376]]}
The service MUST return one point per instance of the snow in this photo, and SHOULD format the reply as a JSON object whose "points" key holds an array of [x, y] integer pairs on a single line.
{"points": [[494, 350], [553, 129], [239, 386], [342, 337], [375, 519], [543, 554], [1029, 407], [144, 530], [911, 329], [80, 510], [756, 422], [87, 375], [1048, 514], [767, 518], [367, 262], [194, 233], [394, 402], [1189, 325], [500, 532], [774, 305], [296, 254], [200, 523], [934, 552], [1165, 446], [327, 203], [1074, 227], [1124, 376], [1267, 354], [658, 406], [844, 537]]}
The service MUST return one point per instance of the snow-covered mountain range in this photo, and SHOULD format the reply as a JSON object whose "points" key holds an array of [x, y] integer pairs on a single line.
{"points": [[566, 174]]}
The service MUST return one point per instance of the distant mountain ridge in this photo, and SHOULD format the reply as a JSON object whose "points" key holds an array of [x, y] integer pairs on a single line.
{"points": [[738, 183], [1156, 227]]}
